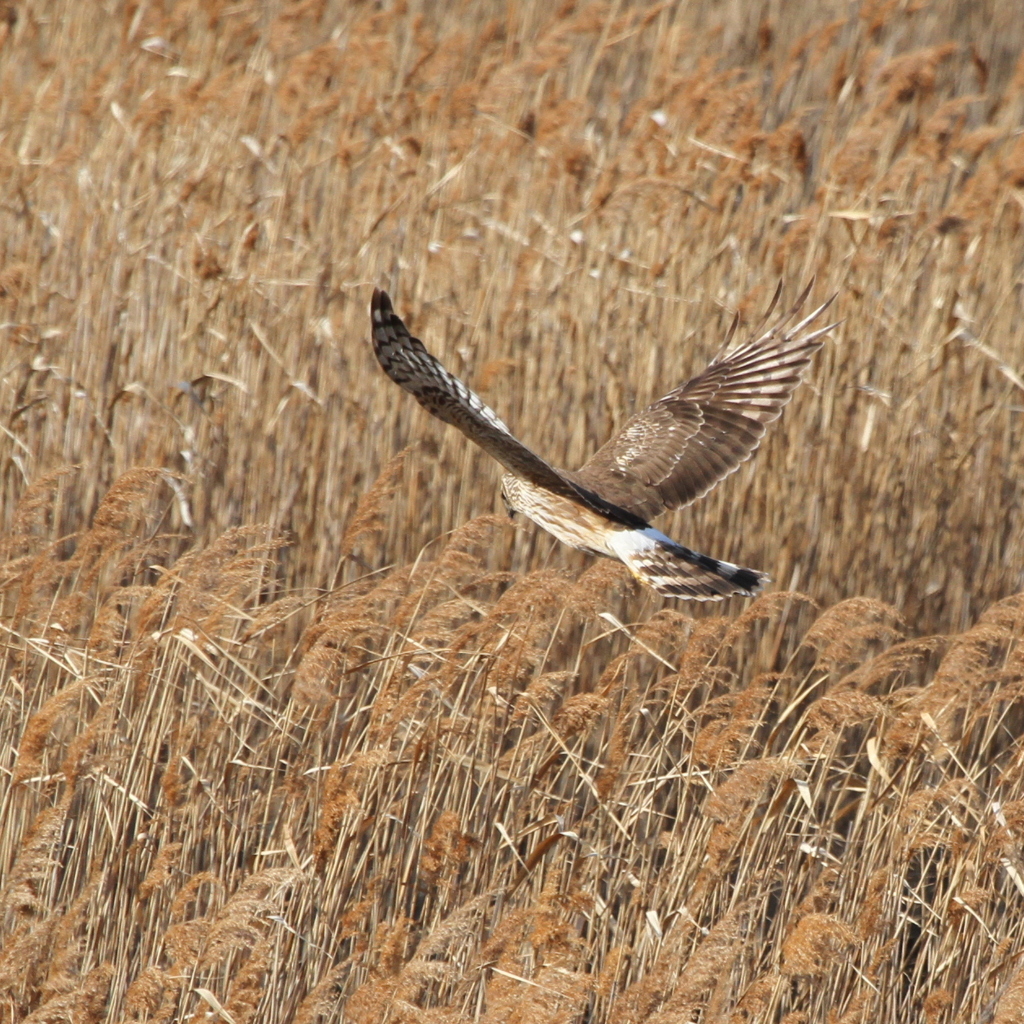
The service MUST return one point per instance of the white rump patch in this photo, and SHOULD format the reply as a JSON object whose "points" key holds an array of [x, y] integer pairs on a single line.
{"points": [[628, 544]]}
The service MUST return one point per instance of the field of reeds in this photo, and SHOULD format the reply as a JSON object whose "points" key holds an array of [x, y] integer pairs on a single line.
{"points": [[295, 725]]}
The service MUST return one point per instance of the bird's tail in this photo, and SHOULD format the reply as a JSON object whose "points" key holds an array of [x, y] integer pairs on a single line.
{"points": [[675, 571]]}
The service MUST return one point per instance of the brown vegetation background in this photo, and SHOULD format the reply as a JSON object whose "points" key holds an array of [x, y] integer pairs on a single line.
{"points": [[293, 728]]}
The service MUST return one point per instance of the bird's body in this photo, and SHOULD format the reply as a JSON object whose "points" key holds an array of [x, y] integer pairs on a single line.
{"points": [[568, 521], [666, 456], [650, 555]]}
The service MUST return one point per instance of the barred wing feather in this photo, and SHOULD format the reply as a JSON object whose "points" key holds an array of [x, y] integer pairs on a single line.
{"points": [[678, 448]]}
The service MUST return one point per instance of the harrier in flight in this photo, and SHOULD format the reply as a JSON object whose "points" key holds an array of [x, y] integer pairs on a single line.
{"points": [[666, 456]]}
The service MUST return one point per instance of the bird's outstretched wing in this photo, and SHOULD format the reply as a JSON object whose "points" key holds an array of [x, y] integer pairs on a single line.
{"points": [[407, 362], [678, 448]]}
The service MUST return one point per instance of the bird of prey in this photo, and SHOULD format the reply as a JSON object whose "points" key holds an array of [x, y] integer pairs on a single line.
{"points": [[666, 456]]}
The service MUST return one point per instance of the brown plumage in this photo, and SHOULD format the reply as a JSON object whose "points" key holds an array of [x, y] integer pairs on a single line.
{"points": [[666, 456]]}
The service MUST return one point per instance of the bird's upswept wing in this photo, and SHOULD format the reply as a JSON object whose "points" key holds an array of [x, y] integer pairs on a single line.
{"points": [[679, 447], [407, 362]]}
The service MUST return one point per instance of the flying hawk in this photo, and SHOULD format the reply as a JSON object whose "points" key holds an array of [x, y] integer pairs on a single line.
{"points": [[666, 456]]}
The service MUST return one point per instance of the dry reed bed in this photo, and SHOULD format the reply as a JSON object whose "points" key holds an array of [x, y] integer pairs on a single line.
{"points": [[569, 205], [351, 762], [468, 795]]}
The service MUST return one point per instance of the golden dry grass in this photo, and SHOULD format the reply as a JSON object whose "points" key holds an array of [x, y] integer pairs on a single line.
{"points": [[278, 742]]}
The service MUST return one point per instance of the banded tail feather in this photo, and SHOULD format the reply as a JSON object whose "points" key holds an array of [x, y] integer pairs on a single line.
{"points": [[675, 571]]}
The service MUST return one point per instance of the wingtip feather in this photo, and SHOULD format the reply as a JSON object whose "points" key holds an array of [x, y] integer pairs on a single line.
{"points": [[380, 305]]}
